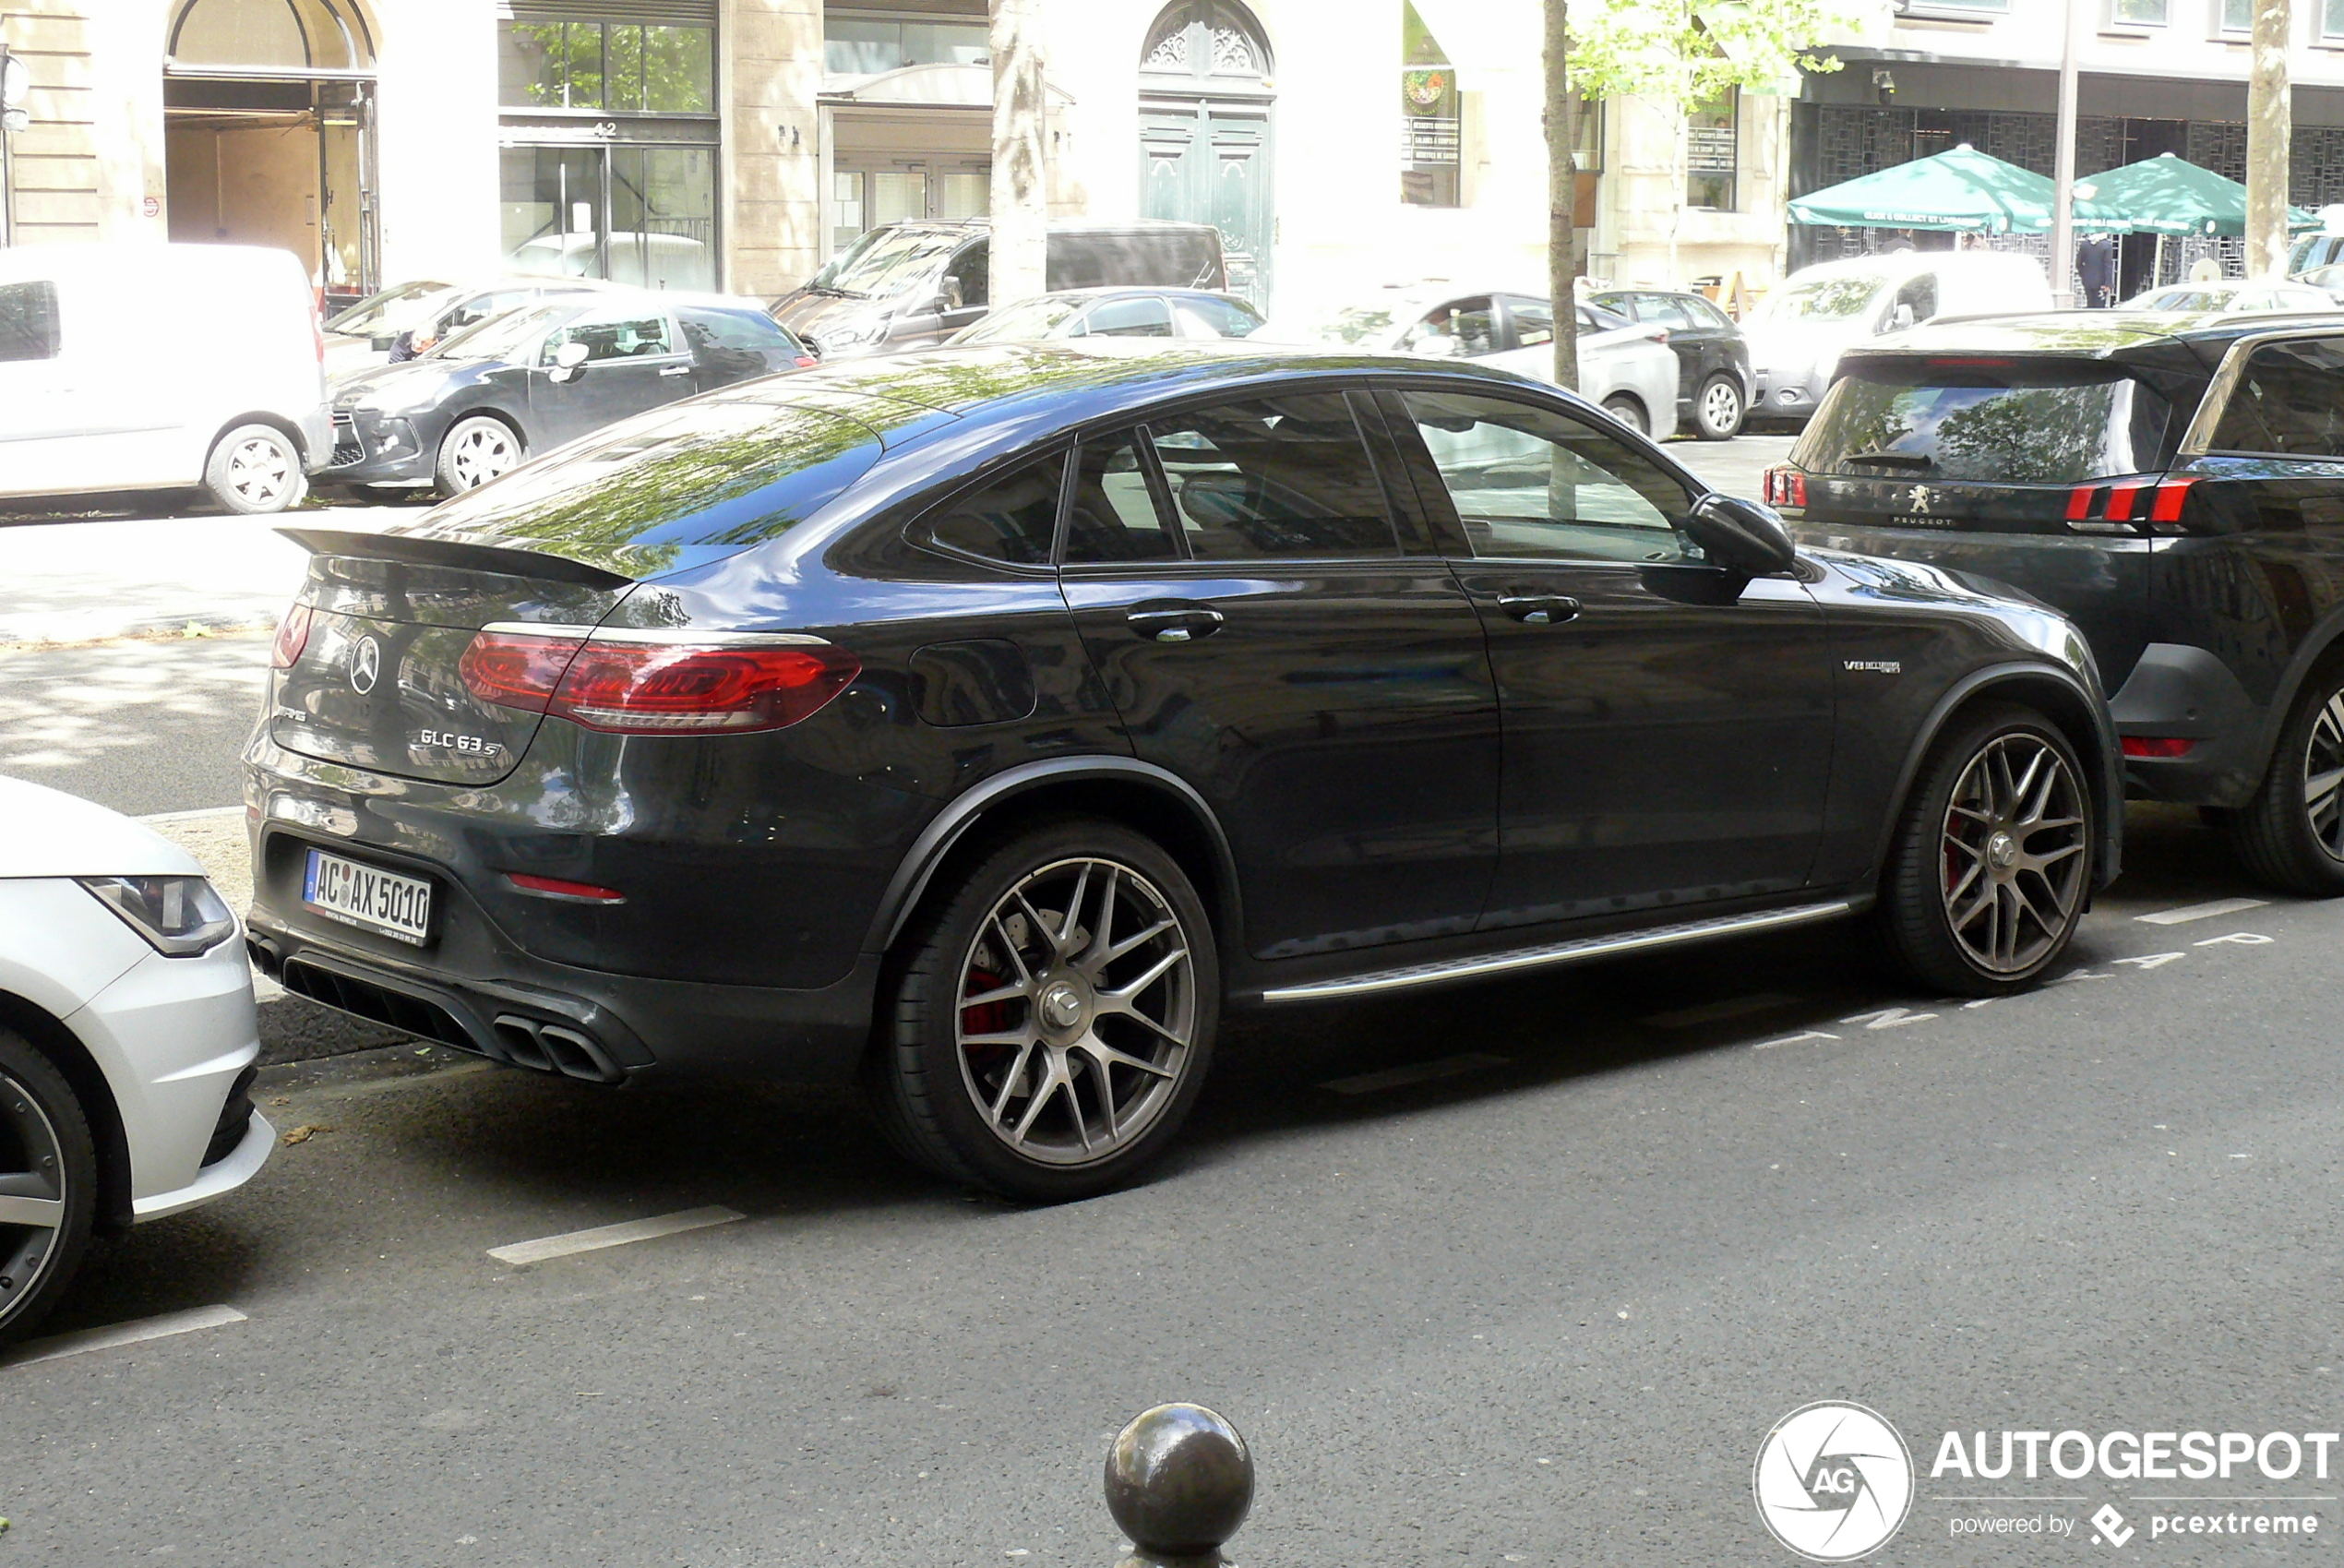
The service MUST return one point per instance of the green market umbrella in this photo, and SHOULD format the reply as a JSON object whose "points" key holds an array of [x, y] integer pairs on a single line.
{"points": [[1961, 189], [2166, 195]]}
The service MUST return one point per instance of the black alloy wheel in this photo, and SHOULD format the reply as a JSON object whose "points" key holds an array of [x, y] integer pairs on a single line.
{"points": [[1717, 409], [1992, 864], [48, 1185], [2291, 835], [1053, 1016]]}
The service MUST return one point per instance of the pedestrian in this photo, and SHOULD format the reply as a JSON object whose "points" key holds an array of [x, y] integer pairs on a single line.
{"points": [[1900, 241], [2095, 271]]}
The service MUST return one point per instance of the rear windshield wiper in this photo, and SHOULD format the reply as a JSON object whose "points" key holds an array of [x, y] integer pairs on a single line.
{"points": [[1892, 460]]}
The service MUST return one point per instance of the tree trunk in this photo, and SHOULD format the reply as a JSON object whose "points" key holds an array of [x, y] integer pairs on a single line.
{"points": [[2269, 126], [1562, 196], [1021, 196]]}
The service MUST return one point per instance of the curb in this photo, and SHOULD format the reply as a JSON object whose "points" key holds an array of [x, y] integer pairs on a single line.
{"points": [[35, 633]]}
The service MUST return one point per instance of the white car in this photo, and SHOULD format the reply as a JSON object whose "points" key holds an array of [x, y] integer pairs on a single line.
{"points": [[126, 1039], [1808, 320], [1627, 368], [94, 399], [2234, 294], [1115, 312]]}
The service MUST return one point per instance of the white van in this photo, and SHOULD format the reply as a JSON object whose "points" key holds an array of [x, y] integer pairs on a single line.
{"points": [[160, 367], [1799, 331]]}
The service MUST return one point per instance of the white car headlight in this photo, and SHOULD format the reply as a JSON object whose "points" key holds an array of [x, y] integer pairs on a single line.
{"points": [[180, 917]]}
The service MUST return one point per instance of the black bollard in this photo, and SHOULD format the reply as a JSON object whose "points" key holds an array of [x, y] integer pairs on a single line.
{"points": [[1179, 1481]]}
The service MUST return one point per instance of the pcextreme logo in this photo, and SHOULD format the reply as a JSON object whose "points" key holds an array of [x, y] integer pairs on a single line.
{"points": [[1833, 1481]]}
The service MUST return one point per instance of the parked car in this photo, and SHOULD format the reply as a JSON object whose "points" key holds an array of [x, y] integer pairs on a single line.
{"points": [[2328, 280], [93, 399], [2321, 248], [127, 1041], [2233, 295], [984, 722], [907, 286], [541, 373], [1808, 320], [1116, 313], [1713, 358], [1625, 367], [364, 334], [412, 333], [2177, 488]]}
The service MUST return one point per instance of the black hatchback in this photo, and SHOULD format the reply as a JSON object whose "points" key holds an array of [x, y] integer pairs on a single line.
{"points": [[982, 722], [1713, 357], [2176, 485]]}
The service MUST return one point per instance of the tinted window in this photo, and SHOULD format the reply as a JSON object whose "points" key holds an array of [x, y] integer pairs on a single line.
{"points": [[2290, 400], [612, 337], [1594, 319], [1534, 321], [1205, 317], [28, 320], [1919, 297], [1114, 516], [1286, 476], [1469, 324], [1530, 482], [971, 271], [734, 328], [1011, 520], [1704, 313], [1662, 310], [465, 313], [2045, 422], [1144, 317]]}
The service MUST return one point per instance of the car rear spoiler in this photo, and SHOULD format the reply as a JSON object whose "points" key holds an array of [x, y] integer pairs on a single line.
{"points": [[418, 550]]}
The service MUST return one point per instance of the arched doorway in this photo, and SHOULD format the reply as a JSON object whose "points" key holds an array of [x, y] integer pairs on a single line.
{"points": [[1205, 101], [269, 132]]}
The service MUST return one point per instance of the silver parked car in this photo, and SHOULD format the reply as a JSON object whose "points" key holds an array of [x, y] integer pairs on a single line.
{"points": [[1116, 313], [1627, 368]]}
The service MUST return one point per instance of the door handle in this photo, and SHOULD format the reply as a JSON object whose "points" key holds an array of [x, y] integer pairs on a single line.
{"points": [[677, 370], [1173, 623], [1539, 609]]}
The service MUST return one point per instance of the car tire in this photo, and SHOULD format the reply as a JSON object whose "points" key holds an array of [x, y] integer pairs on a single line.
{"points": [[1036, 1092], [255, 470], [1628, 411], [1718, 409], [477, 449], [48, 1155], [2291, 834], [1992, 862]]}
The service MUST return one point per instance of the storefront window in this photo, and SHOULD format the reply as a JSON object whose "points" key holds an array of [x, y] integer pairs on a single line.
{"points": [[609, 65], [1430, 148], [1713, 151], [640, 215], [856, 44]]}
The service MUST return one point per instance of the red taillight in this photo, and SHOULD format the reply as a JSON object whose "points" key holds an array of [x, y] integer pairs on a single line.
{"points": [[515, 669], [1786, 487], [656, 688], [555, 887], [2119, 502], [2157, 745], [292, 636], [668, 688], [807, 362], [2170, 497], [2079, 502]]}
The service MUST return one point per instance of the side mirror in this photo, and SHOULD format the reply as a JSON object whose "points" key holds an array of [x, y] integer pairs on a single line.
{"points": [[569, 362], [1740, 535], [954, 295], [1900, 318]]}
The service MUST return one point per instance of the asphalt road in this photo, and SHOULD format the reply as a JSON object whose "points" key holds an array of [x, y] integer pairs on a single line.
{"points": [[1536, 1306]]}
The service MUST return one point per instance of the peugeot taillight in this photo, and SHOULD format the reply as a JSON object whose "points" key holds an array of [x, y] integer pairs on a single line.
{"points": [[1786, 487], [292, 636], [658, 685]]}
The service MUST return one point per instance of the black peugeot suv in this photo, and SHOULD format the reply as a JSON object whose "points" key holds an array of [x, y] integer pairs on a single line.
{"points": [[2174, 483], [982, 721]]}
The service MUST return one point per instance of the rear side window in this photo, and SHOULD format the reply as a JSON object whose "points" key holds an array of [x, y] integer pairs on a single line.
{"points": [[28, 320], [1143, 317], [1113, 516], [2290, 400], [612, 337], [734, 328], [2011, 422], [1208, 318], [1534, 321], [1273, 477], [1009, 520]]}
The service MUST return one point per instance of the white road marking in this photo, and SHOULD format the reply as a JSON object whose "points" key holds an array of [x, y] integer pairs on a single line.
{"points": [[2151, 960], [619, 1235], [2189, 912], [1793, 1039], [1421, 1073], [1712, 1013], [1888, 1018], [1981, 1001], [2243, 938], [2076, 975], [138, 1333]]}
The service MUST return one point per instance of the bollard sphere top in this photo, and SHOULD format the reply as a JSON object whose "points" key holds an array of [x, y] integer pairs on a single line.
{"points": [[1179, 1481]]}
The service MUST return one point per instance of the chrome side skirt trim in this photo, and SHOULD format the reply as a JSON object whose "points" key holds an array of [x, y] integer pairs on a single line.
{"points": [[1562, 952]]}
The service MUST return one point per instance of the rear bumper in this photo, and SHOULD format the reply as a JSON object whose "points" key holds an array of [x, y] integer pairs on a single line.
{"points": [[2180, 692], [584, 1023]]}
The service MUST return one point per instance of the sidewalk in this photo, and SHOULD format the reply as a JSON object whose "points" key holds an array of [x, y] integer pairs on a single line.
{"points": [[82, 581]]}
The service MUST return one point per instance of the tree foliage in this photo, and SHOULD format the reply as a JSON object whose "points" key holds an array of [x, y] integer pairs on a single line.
{"points": [[1683, 51]]}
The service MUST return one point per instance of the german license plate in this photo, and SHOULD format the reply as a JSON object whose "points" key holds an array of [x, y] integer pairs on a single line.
{"points": [[367, 897]]}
